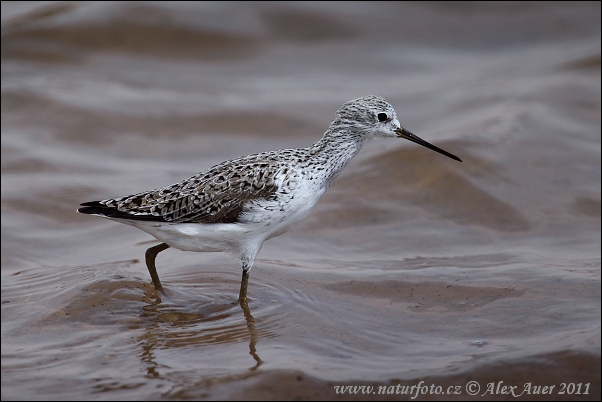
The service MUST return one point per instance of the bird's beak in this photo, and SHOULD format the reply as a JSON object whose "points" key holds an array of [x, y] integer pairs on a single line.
{"points": [[403, 133]]}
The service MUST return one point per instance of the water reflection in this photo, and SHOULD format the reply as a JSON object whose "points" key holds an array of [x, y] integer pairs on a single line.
{"points": [[170, 322], [252, 332]]}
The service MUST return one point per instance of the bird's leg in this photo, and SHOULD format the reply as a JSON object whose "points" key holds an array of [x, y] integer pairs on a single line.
{"points": [[150, 256], [242, 295], [247, 259]]}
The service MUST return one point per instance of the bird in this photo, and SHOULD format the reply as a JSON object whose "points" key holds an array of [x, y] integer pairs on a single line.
{"points": [[236, 205]]}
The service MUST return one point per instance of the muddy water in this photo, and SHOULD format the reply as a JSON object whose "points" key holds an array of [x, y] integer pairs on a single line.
{"points": [[412, 267]]}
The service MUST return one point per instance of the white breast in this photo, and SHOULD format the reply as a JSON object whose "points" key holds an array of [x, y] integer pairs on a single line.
{"points": [[292, 203]]}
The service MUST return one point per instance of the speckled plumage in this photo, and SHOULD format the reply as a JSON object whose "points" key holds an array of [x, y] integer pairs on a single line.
{"points": [[238, 204]]}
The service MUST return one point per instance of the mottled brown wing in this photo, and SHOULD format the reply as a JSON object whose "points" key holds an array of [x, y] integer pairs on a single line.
{"points": [[217, 195]]}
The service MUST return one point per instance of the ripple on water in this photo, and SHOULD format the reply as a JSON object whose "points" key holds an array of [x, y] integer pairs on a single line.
{"points": [[105, 308]]}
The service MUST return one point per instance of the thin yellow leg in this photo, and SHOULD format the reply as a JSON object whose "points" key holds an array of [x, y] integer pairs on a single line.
{"points": [[242, 296], [150, 256]]}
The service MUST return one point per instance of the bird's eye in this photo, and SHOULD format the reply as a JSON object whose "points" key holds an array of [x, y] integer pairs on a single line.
{"points": [[382, 117]]}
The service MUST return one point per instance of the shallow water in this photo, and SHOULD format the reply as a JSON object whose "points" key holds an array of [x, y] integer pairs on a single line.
{"points": [[412, 267]]}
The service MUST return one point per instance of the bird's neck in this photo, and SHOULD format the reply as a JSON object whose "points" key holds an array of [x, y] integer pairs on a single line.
{"points": [[338, 146]]}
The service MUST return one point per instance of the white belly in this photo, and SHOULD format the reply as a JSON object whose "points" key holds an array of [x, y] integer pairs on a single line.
{"points": [[201, 237], [260, 220]]}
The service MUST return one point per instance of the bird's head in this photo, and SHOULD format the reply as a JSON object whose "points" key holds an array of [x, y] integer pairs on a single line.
{"points": [[374, 117]]}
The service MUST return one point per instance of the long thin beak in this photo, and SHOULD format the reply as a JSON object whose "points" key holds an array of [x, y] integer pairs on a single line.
{"points": [[403, 133]]}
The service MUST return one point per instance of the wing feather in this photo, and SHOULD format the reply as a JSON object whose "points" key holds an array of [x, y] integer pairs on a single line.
{"points": [[217, 195]]}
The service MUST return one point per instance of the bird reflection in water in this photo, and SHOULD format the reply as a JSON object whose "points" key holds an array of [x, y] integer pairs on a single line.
{"points": [[170, 324], [252, 331]]}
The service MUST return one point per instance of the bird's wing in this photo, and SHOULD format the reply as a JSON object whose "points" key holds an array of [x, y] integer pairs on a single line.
{"points": [[216, 195]]}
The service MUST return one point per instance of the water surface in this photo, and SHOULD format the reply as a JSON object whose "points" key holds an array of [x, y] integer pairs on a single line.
{"points": [[413, 267]]}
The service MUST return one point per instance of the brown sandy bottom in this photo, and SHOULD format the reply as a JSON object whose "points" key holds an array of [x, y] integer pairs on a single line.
{"points": [[560, 376], [305, 331]]}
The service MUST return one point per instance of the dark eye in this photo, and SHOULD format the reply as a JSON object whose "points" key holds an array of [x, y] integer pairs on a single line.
{"points": [[382, 117]]}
